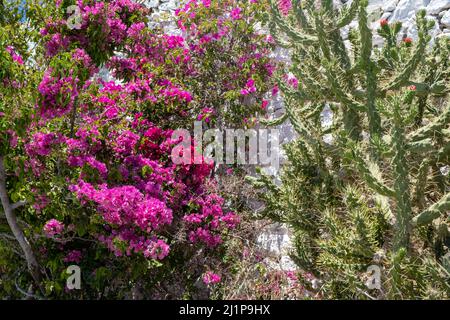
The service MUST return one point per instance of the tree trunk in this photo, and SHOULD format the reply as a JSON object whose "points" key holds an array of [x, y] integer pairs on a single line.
{"points": [[32, 263]]}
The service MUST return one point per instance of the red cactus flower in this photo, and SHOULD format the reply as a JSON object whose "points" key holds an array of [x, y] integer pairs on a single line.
{"points": [[408, 40], [383, 22]]}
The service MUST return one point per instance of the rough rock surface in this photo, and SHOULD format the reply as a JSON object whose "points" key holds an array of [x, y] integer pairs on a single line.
{"points": [[436, 6], [445, 19]]}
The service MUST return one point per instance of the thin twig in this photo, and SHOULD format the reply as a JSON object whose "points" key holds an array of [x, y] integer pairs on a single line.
{"points": [[27, 294], [18, 205]]}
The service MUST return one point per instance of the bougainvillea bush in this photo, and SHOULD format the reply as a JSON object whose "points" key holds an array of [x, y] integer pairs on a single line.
{"points": [[231, 52], [86, 175]]}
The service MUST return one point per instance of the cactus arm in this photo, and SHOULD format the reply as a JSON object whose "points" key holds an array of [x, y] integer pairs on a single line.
{"points": [[278, 40], [432, 128], [300, 15], [401, 181], [347, 15], [297, 124], [373, 182], [340, 52], [411, 65], [290, 31], [433, 212], [395, 273], [340, 95], [322, 37], [365, 33], [420, 147], [311, 85], [368, 66], [274, 122], [444, 153], [421, 183], [312, 111], [327, 5]]}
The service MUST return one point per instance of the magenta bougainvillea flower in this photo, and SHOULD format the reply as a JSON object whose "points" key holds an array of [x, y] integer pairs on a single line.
{"points": [[17, 58], [211, 278], [236, 13], [73, 256], [285, 6], [53, 228]]}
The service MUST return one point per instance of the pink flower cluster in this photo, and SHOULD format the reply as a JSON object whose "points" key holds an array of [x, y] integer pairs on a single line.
{"points": [[57, 94], [84, 62], [157, 250], [236, 13], [210, 219], [104, 26], [17, 58], [126, 206], [41, 144], [135, 218], [291, 80], [215, 36], [73, 256], [205, 115], [249, 87], [126, 143], [40, 201], [53, 228], [285, 6], [211, 278]]}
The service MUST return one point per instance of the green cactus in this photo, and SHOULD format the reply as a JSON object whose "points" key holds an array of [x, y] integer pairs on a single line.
{"points": [[375, 194]]}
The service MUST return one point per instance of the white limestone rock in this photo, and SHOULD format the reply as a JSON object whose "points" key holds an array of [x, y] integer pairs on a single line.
{"points": [[169, 5], [436, 6], [275, 239], [152, 3], [386, 15], [407, 8], [374, 5], [287, 264], [337, 4], [445, 33], [445, 20], [390, 5]]}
